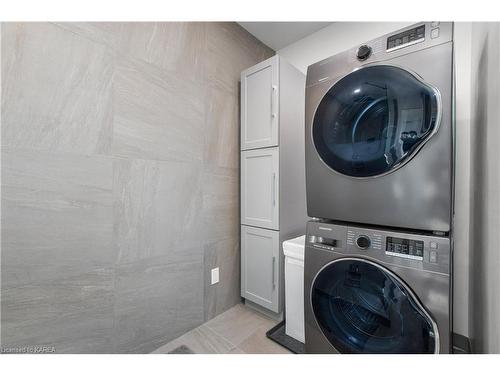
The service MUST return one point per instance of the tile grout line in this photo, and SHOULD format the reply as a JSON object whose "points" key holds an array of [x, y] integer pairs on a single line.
{"points": [[218, 335]]}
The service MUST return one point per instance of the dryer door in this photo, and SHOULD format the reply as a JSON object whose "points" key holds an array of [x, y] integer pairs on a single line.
{"points": [[374, 120], [362, 307]]}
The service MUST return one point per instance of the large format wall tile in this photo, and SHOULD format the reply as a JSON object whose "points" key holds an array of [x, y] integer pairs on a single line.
{"points": [[221, 129], [74, 315], [120, 180], [230, 50], [56, 215], [220, 215], [219, 297], [176, 47], [56, 90], [157, 207], [108, 34], [157, 115], [157, 300]]}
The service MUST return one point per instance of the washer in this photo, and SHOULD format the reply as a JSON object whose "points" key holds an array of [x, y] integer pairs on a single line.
{"points": [[379, 131], [369, 290]]}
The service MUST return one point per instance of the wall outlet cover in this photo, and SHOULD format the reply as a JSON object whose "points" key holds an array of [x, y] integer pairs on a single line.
{"points": [[215, 276]]}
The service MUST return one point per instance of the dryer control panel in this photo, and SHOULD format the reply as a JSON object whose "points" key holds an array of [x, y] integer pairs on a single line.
{"points": [[406, 38]]}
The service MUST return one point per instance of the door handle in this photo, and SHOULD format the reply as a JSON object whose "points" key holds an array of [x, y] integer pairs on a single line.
{"points": [[273, 100], [274, 266], [274, 189]]}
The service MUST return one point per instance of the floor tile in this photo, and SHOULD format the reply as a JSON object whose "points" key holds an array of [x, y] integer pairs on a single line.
{"points": [[258, 343], [236, 351], [201, 340], [238, 323], [240, 330]]}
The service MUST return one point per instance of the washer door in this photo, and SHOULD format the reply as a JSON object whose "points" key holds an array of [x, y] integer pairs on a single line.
{"points": [[364, 308], [374, 119]]}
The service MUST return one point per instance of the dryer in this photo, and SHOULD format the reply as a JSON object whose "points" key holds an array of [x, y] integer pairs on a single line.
{"points": [[379, 136], [369, 290]]}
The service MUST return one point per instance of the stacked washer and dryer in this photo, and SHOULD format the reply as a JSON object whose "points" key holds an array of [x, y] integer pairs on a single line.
{"points": [[379, 172]]}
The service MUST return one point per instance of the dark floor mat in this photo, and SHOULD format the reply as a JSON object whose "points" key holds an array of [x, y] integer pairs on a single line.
{"points": [[277, 334], [183, 349]]}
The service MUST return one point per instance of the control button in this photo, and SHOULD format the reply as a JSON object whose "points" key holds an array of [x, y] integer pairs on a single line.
{"points": [[435, 33], [434, 23], [433, 256], [404, 249], [434, 245], [364, 52], [363, 242]]}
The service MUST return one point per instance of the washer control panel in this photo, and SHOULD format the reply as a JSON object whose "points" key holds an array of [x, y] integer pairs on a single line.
{"points": [[418, 251], [364, 240], [324, 243], [405, 248]]}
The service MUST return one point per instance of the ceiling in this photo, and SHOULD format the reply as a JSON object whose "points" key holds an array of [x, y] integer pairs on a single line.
{"points": [[281, 34]]}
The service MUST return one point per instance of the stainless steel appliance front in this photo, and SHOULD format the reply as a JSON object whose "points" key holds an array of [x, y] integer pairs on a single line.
{"points": [[368, 290], [379, 131]]}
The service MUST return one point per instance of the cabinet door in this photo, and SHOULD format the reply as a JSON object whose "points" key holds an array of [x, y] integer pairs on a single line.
{"points": [[259, 105], [260, 188], [260, 266]]}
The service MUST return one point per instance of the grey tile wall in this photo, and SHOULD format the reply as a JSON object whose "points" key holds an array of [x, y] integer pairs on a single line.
{"points": [[144, 126], [119, 181], [56, 90], [57, 215]]}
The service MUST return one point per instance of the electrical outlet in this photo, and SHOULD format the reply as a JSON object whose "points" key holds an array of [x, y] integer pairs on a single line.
{"points": [[215, 276]]}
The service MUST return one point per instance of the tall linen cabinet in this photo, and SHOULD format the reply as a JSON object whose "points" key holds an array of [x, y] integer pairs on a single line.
{"points": [[273, 202]]}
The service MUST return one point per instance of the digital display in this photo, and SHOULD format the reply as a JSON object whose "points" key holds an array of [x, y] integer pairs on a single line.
{"points": [[327, 241], [406, 37], [405, 247]]}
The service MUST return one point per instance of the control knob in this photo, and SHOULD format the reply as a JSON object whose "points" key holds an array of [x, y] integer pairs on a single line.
{"points": [[364, 52], [363, 242]]}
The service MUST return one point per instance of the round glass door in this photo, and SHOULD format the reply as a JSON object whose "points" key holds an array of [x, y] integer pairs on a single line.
{"points": [[371, 121], [362, 308]]}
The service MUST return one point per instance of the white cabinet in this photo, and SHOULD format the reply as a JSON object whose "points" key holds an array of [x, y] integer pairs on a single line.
{"points": [[259, 266], [273, 201], [259, 188], [259, 105]]}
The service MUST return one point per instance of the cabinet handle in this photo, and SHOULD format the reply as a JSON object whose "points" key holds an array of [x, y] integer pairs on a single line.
{"points": [[274, 189], [274, 266], [273, 97]]}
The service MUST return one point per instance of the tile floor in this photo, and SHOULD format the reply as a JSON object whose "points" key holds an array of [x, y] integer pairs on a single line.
{"points": [[239, 330]]}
